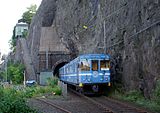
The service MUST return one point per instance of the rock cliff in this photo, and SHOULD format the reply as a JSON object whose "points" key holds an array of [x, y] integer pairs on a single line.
{"points": [[129, 30]]}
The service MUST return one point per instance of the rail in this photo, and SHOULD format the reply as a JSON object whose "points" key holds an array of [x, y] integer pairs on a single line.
{"points": [[125, 105], [53, 105], [106, 109], [111, 105]]}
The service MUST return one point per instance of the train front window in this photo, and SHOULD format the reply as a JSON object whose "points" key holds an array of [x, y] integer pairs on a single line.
{"points": [[85, 65], [95, 65], [104, 64]]}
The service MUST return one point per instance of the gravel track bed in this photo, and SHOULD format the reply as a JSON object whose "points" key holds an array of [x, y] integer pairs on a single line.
{"points": [[117, 107], [42, 107], [73, 103]]}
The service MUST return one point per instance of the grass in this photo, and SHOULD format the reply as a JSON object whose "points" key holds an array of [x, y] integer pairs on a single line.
{"points": [[137, 98], [41, 90]]}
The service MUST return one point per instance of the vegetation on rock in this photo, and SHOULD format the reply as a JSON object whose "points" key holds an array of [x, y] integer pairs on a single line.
{"points": [[27, 18], [28, 15], [138, 98]]}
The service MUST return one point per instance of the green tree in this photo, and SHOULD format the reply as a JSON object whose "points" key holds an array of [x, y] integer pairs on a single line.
{"points": [[15, 72], [2, 75], [28, 15], [12, 41]]}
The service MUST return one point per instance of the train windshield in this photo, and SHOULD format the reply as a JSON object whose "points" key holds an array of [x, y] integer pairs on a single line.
{"points": [[95, 65], [104, 64], [85, 65]]}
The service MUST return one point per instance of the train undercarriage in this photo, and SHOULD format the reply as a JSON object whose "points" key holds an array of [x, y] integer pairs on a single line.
{"points": [[91, 89]]}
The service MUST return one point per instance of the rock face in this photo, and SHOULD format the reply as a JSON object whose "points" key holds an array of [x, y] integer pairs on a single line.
{"points": [[43, 18], [129, 30], [22, 55]]}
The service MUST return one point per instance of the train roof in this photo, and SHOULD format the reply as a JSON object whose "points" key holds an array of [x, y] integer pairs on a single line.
{"points": [[98, 56]]}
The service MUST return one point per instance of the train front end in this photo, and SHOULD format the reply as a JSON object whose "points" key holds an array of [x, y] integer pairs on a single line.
{"points": [[94, 71]]}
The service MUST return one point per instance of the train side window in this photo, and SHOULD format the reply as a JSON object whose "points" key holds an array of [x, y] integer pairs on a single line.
{"points": [[104, 64], [95, 65], [62, 71], [74, 66], [67, 70]]}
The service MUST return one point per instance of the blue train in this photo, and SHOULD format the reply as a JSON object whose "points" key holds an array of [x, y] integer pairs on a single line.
{"points": [[89, 72]]}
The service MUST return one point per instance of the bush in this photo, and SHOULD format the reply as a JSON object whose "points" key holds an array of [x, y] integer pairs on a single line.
{"points": [[48, 89], [137, 98], [134, 95], [157, 93], [15, 72], [14, 101], [10, 102], [39, 90], [52, 81]]}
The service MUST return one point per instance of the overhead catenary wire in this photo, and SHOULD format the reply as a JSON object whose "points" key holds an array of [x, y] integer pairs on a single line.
{"points": [[109, 15], [94, 17]]}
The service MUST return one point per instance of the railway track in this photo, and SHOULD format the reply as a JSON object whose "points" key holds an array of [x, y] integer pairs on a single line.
{"points": [[117, 106], [110, 105], [105, 108], [53, 105], [125, 105]]}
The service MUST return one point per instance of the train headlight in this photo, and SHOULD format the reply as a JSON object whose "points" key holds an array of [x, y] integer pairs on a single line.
{"points": [[80, 85]]}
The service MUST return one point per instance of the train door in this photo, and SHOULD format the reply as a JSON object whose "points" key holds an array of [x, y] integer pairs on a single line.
{"points": [[95, 69], [84, 71], [105, 70]]}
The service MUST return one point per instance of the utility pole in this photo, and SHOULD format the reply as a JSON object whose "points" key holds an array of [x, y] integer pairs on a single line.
{"points": [[6, 62], [24, 82], [104, 31], [47, 59]]}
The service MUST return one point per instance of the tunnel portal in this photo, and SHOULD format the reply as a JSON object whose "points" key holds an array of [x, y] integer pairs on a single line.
{"points": [[57, 67]]}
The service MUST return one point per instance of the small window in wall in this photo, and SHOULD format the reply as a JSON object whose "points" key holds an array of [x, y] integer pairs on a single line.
{"points": [[95, 65]]}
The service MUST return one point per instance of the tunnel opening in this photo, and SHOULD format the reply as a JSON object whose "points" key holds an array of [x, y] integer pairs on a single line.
{"points": [[57, 67]]}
